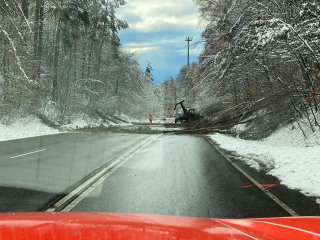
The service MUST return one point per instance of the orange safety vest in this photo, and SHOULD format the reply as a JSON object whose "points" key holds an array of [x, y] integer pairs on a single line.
{"points": [[150, 117]]}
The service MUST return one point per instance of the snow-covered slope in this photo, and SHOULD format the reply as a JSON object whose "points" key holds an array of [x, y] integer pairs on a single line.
{"points": [[32, 126], [25, 127], [286, 154]]}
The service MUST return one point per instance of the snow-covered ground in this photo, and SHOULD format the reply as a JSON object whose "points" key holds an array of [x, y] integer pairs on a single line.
{"points": [[32, 126], [82, 122], [286, 154], [24, 128]]}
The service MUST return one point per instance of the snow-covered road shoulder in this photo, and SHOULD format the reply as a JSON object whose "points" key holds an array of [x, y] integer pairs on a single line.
{"points": [[290, 158], [25, 128]]}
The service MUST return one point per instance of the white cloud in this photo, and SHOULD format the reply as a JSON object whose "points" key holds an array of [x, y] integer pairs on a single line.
{"points": [[140, 49], [160, 15], [193, 52], [157, 31], [175, 42], [152, 43]]}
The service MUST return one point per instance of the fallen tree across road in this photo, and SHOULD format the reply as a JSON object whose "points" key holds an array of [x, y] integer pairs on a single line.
{"points": [[215, 128]]}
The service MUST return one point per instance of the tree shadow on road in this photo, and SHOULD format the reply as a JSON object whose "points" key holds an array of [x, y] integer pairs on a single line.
{"points": [[14, 199]]}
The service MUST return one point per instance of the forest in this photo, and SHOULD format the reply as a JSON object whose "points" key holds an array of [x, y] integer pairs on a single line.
{"points": [[261, 59], [63, 57]]}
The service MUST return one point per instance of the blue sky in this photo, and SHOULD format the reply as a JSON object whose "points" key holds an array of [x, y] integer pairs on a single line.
{"points": [[157, 32]]}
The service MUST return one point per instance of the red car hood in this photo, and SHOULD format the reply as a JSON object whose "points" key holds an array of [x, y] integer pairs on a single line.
{"points": [[93, 226]]}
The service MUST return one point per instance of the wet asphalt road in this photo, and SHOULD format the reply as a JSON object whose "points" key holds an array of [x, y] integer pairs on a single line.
{"points": [[174, 175], [29, 182], [185, 176]]}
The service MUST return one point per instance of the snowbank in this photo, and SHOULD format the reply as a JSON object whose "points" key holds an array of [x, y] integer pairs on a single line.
{"points": [[286, 154], [82, 122], [291, 135], [24, 128]]}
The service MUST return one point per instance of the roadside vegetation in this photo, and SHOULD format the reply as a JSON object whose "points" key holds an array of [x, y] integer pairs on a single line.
{"points": [[260, 60], [63, 58]]}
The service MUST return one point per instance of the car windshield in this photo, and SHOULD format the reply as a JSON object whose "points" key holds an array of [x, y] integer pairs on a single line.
{"points": [[195, 108]]}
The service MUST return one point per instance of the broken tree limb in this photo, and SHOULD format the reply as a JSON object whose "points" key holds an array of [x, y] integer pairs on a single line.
{"points": [[104, 118], [119, 119], [214, 128]]}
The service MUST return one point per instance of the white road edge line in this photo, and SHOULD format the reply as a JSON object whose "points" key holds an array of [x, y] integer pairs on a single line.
{"points": [[102, 175], [28, 153], [263, 189]]}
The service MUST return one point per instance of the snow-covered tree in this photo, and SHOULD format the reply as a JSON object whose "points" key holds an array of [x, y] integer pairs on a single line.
{"points": [[260, 52], [66, 55]]}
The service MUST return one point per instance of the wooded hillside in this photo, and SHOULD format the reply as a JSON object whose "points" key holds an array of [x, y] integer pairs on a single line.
{"points": [[64, 57], [259, 57]]}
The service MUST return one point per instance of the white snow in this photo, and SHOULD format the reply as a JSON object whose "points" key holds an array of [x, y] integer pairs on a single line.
{"points": [[292, 136], [83, 121], [286, 154], [24, 128], [32, 126]]}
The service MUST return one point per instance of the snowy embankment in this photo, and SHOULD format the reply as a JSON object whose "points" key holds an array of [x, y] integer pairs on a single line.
{"points": [[286, 154], [24, 128], [82, 122], [32, 126]]}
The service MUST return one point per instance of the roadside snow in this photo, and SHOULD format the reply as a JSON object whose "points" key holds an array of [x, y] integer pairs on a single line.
{"points": [[32, 126], [24, 128], [286, 154], [291, 135], [82, 122]]}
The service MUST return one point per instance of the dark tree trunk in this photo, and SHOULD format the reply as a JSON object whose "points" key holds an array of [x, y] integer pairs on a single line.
{"points": [[36, 30], [41, 17], [25, 7], [56, 60]]}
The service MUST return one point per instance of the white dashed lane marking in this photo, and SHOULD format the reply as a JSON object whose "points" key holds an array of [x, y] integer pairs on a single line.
{"points": [[28, 153]]}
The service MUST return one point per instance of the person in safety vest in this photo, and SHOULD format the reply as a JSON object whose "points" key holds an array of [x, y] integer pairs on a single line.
{"points": [[150, 118]]}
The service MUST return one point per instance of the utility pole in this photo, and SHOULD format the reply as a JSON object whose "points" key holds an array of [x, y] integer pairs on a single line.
{"points": [[189, 39]]}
